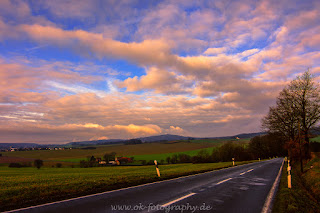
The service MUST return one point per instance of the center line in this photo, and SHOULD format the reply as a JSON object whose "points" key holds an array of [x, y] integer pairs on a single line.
{"points": [[223, 181], [246, 172], [176, 200]]}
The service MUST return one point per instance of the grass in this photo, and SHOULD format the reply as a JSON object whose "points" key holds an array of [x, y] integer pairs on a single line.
{"points": [[312, 176], [316, 139], [302, 197], [21, 187]]}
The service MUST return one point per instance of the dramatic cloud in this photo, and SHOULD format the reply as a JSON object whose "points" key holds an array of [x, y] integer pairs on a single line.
{"points": [[124, 69]]}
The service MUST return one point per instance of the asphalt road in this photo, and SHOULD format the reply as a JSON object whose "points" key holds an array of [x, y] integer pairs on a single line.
{"points": [[238, 189]]}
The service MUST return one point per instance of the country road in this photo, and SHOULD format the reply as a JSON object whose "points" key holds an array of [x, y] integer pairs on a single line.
{"points": [[238, 189]]}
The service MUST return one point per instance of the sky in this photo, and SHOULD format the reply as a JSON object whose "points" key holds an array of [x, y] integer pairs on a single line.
{"points": [[75, 70]]}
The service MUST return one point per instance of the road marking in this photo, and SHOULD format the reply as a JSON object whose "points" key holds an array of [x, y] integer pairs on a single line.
{"points": [[223, 181], [246, 172], [268, 203], [176, 200]]}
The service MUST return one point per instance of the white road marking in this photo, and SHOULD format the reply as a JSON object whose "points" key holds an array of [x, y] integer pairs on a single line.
{"points": [[246, 172], [223, 181], [268, 203], [176, 200]]}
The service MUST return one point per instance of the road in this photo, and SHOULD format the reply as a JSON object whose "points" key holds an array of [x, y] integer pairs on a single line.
{"points": [[238, 189]]}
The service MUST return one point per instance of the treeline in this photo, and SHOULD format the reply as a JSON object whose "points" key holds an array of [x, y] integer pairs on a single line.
{"points": [[263, 147]]}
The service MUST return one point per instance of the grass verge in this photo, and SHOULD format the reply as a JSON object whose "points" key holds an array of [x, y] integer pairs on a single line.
{"points": [[22, 187], [302, 197]]}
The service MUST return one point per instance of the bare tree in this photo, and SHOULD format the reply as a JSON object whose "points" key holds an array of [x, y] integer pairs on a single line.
{"points": [[306, 96], [297, 108], [282, 118]]}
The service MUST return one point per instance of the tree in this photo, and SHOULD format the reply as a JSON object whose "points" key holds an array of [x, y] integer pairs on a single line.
{"points": [[282, 118], [109, 156], [38, 163], [305, 93], [266, 146], [297, 110], [174, 159], [168, 159]]}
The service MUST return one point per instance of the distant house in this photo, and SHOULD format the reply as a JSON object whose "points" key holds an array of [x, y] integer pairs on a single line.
{"points": [[123, 160], [13, 149], [112, 162], [102, 162]]}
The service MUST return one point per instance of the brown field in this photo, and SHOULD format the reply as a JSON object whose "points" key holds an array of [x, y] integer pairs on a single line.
{"points": [[7, 159]]}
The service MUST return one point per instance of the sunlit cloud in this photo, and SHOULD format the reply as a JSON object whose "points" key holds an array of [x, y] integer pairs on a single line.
{"points": [[123, 70]]}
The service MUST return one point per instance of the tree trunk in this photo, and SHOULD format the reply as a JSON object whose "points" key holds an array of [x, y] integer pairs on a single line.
{"points": [[306, 146]]}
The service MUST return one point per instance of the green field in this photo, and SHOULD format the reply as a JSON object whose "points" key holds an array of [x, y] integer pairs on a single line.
{"points": [[316, 139], [21, 187], [121, 150], [145, 151]]}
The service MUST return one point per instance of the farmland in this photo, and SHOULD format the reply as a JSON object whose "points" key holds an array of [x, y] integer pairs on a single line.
{"points": [[146, 151], [20, 187]]}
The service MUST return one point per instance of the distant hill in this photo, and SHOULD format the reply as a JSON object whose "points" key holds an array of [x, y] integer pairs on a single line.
{"points": [[18, 145], [95, 142], [157, 138], [243, 135], [166, 137]]}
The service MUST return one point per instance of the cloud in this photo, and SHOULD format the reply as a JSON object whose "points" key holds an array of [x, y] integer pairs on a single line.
{"points": [[176, 130], [66, 132], [215, 51], [160, 80], [198, 68]]}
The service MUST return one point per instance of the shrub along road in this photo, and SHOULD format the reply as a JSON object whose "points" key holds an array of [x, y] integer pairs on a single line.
{"points": [[238, 189]]}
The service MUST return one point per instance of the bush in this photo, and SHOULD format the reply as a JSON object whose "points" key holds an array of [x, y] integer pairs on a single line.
{"points": [[203, 156], [38, 163], [150, 162], [15, 165], [58, 165], [174, 159], [19, 165], [184, 158], [83, 164]]}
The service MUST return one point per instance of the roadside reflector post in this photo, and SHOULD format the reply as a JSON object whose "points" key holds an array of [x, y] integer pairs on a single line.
{"points": [[233, 161], [157, 168], [289, 175], [259, 159]]}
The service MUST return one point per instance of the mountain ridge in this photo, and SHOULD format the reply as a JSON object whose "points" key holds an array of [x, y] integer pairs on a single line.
{"points": [[149, 139]]}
